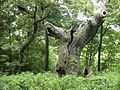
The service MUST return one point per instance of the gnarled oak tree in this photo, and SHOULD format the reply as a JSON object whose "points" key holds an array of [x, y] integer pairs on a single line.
{"points": [[69, 62]]}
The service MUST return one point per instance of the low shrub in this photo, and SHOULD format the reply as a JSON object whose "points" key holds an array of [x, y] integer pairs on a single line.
{"points": [[49, 81]]}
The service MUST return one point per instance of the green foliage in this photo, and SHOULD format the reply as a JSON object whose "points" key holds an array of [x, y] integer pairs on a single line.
{"points": [[48, 81], [16, 28]]}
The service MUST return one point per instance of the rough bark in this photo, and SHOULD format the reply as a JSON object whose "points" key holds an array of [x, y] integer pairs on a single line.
{"points": [[69, 63], [56, 32]]}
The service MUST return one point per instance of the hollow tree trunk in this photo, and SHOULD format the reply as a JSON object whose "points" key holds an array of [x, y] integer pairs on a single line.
{"points": [[69, 62]]}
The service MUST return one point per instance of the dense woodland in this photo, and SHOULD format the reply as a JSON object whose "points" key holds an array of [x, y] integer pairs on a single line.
{"points": [[59, 45]]}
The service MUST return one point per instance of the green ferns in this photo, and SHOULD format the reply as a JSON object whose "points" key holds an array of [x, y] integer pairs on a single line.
{"points": [[49, 81]]}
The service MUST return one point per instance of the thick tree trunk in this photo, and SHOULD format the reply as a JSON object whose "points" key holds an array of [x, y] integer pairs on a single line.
{"points": [[69, 62]]}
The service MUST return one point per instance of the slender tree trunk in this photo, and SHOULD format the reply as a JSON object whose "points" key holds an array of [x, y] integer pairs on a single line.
{"points": [[28, 41], [46, 51], [90, 55], [100, 47], [25, 45], [86, 64]]}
